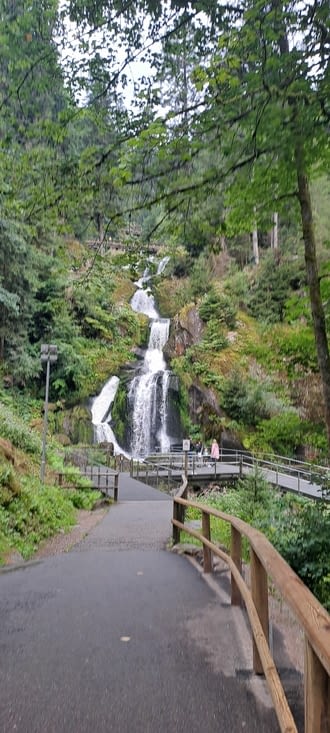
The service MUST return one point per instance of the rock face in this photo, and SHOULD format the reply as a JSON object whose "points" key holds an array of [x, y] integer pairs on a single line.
{"points": [[204, 408], [186, 330], [75, 424]]}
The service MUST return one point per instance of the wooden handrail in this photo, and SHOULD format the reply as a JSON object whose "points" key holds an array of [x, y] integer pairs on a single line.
{"points": [[311, 615]]}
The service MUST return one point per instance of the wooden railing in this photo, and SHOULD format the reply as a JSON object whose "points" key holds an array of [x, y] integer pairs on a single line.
{"points": [[265, 562], [102, 479]]}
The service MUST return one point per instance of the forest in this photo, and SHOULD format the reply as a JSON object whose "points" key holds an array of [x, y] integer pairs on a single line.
{"points": [[199, 130]]}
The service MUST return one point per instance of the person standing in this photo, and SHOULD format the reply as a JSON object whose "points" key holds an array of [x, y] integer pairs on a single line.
{"points": [[215, 453]]}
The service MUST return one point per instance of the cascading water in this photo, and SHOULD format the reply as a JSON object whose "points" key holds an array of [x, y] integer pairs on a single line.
{"points": [[149, 388], [148, 393], [101, 414]]}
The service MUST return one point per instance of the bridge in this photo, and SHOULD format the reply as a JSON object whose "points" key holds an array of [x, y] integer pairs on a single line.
{"points": [[165, 471], [108, 245], [286, 474]]}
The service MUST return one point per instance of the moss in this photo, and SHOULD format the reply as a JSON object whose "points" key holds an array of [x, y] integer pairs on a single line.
{"points": [[119, 413]]}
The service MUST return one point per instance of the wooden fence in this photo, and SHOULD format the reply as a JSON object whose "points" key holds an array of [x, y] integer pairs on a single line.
{"points": [[265, 562], [102, 479]]}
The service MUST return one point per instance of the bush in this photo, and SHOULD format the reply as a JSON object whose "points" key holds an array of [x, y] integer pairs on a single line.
{"points": [[243, 401], [18, 432], [213, 338], [38, 513], [282, 433], [271, 288], [84, 498], [9, 485], [297, 346], [304, 541], [219, 308], [298, 528]]}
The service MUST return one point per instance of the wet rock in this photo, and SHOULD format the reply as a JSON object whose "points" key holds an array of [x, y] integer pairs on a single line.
{"points": [[185, 548]]}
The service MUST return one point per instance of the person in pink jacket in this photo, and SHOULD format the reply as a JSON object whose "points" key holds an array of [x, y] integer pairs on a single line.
{"points": [[215, 450]]}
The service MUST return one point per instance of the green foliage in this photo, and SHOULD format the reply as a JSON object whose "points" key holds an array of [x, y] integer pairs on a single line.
{"points": [[9, 485], [217, 307], [37, 513], [84, 499], [18, 432], [270, 288], [200, 276], [236, 287], [119, 412], [297, 347], [213, 339], [253, 500], [244, 401], [298, 528], [304, 541], [282, 433]]}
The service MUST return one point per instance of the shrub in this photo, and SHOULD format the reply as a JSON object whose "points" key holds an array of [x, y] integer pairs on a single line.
{"points": [[244, 401], [38, 513], [213, 338], [304, 541], [282, 433], [18, 432], [219, 308], [271, 288]]}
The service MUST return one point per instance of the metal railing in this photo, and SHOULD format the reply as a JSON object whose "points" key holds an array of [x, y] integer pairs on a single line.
{"points": [[159, 476], [276, 469], [266, 563]]}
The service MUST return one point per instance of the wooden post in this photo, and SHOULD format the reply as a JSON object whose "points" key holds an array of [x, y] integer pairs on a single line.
{"points": [[176, 530], [259, 592], [207, 554], [115, 490], [236, 556], [186, 463], [317, 698], [241, 466]]}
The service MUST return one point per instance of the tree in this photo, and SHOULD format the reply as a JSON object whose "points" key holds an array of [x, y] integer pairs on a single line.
{"points": [[264, 108]]}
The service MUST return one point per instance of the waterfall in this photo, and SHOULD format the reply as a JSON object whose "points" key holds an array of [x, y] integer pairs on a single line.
{"points": [[148, 390], [101, 414], [148, 395]]}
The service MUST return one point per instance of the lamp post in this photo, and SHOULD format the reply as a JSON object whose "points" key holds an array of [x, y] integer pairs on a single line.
{"points": [[48, 354]]}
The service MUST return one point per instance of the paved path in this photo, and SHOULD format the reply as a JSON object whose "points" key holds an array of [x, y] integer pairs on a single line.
{"points": [[121, 636]]}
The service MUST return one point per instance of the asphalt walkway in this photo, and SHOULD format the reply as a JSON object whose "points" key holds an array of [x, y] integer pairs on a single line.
{"points": [[121, 636]]}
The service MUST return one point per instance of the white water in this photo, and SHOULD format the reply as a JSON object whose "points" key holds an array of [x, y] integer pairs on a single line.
{"points": [[144, 302], [148, 395], [101, 414], [148, 392]]}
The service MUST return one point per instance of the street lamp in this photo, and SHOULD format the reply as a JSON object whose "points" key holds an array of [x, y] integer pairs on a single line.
{"points": [[48, 354]]}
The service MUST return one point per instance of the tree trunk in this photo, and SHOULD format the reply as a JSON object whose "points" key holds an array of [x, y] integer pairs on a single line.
{"points": [[255, 246], [313, 280], [274, 232]]}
